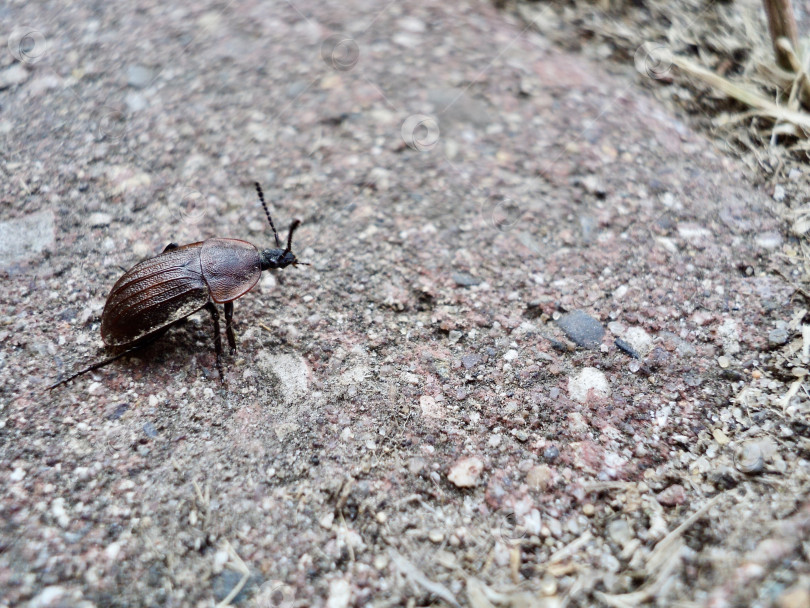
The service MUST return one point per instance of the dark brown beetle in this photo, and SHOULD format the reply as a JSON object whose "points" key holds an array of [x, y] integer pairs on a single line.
{"points": [[157, 293]]}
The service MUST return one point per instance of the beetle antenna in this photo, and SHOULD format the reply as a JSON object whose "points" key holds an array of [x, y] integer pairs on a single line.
{"points": [[293, 226], [95, 365], [267, 213]]}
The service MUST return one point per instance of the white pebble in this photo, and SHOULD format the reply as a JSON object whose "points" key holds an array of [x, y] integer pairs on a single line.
{"points": [[589, 379], [340, 592], [465, 472]]}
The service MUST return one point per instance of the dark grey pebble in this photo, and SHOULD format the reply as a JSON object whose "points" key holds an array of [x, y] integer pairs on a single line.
{"points": [[228, 579], [582, 328], [778, 336], [118, 411], [622, 345], [551, 453]]}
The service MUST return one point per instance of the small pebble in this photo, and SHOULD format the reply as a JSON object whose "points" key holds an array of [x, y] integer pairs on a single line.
{"points": [[640, 341], [470, 361], [436, 536], [778, 336], [674, 495], [551, 453], [582, 328], [620, 532], [797, 596], [720, 437], [340, 593], [466, 472], [589, 382], [539, 477], [139, 76], [48, 597], [462, 279], [548, 586], [16, 74]]}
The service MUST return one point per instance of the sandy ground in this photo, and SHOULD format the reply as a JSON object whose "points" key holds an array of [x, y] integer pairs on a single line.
{"points": [[527, 366]]}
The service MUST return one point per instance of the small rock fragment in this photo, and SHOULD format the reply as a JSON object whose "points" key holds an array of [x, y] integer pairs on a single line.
{"points": [[720, 437], [582, 328], [627, 347], [26, 237], [48, 597], [99, 219], [674, 495], [798, 596], [429, 407], [620, 532], [291, 373], [135, 101], [224, 583], [470, 361], [639, 340], [778, 336], [551, 453], [462, 279], [379, 179], [590, 381], [13, 75], [436, 536], [326, 520], [466, 472], [138, 76], [340, 592]]}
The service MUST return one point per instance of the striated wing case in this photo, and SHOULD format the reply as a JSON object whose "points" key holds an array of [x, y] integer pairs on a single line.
{"points": [[153, 294]]}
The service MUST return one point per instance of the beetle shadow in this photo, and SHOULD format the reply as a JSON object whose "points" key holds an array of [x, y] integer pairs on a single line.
{"points": [[178, 352]]}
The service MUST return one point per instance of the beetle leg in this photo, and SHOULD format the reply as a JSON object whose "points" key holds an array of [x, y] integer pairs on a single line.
{"points": [[211, 307], [229, 327], [170, 246]]}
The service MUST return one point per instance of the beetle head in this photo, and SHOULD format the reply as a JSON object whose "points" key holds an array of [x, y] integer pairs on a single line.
{"points": [[281, 258], [277, 258]]}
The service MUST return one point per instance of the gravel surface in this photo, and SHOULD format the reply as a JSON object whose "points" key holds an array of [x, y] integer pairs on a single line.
{"points": [[526, 366]]}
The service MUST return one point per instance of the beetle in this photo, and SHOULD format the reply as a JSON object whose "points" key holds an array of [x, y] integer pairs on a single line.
{"points": [[161, 291]]}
